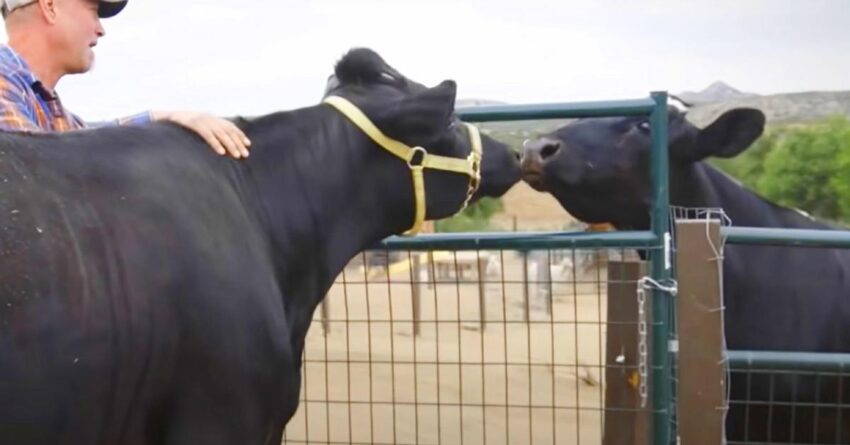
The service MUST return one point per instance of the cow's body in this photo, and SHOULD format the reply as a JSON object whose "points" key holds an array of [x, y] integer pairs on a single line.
{"points": [[155, 294], [775, 298]]}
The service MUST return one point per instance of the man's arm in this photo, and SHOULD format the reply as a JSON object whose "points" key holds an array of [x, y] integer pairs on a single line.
{"points": [[221, 134], [136, 119]]}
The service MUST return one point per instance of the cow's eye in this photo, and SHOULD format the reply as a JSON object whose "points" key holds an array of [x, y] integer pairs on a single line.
{"points": [[644, 126]]}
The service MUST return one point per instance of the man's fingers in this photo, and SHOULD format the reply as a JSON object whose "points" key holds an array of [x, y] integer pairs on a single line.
{"points": [[237, 137], [229, 137], [222, 135], [212, 140], [228, 142]]}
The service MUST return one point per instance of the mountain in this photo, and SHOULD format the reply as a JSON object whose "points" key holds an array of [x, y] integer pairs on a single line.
{"points": [[707, 104], [472, 102], [716, 92], [779, 108]]}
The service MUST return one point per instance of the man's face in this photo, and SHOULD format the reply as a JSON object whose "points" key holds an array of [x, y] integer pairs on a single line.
{"points": [[78, 29]]}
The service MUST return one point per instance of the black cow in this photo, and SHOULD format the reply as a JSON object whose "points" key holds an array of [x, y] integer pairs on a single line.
{"points": [[152, 293], [776, 298]]}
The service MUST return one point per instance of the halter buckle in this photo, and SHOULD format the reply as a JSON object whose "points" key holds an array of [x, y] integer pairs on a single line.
{"points": [[415, 161]]}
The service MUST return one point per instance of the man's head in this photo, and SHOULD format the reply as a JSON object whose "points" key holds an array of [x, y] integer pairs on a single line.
{"points": [[106, 8], [67, 29]]}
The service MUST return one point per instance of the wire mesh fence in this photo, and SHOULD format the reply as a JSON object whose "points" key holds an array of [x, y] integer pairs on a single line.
{"points": [[465, 347], [786, 397]]}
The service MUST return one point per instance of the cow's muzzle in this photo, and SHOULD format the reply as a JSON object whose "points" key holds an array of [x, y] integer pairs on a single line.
{"points": [[535, 154]]}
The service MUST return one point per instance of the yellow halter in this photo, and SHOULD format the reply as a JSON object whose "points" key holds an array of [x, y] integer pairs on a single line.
{"points": [[417, 158]]}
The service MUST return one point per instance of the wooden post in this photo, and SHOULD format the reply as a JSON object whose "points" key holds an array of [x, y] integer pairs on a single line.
{"points": [[326, 324], [625, 422], [525, 284], [432, 272], [546, 285], [701, 367], [482, 293], [415, 292]]}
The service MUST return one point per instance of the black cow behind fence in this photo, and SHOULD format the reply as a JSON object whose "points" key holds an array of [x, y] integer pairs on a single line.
{"points": [[776, 298]]}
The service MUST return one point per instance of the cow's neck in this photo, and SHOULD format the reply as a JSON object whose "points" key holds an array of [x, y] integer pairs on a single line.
{"points": [[323, 192], [701, 185]]}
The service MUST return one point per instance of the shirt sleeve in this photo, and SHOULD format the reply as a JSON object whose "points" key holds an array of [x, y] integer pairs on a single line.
{"points": [[16, 112], [133, 120], [136, 119]]}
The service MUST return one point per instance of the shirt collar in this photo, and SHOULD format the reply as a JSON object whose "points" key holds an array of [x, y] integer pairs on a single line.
{"points": [[13, 62]]}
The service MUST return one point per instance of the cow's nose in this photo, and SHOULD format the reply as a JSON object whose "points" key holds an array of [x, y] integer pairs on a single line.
{"points": [[540, 149]]}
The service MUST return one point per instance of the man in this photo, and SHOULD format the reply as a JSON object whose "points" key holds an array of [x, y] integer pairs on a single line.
{"points": [[51, 38]]}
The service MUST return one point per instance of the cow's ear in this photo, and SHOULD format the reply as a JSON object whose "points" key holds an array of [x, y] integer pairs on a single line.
{"points": [[424, 116], [731, 133]]}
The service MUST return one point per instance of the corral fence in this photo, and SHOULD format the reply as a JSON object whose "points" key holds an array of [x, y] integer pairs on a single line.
{"points": [[391, 362], [553, 337]]}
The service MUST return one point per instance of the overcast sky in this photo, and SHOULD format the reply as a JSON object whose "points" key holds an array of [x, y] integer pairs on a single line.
{"points": [[256, 56]]}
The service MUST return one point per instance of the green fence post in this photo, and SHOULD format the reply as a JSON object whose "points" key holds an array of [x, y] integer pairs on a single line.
{"points": [[662, 405]]}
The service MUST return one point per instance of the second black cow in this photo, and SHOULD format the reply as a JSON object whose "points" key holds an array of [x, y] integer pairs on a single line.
{"points": [[776, 298]]}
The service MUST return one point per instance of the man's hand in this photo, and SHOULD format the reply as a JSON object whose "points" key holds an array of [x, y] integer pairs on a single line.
{"points": [[221, 134]]}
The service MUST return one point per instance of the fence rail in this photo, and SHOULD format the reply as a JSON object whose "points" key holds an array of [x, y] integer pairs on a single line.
{"points": [[787, 237], [495, 113], [790, 361], [522, 241]]}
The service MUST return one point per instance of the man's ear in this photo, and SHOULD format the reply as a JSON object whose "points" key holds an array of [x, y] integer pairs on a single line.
{"points": [[422, 117], [48, 10]]}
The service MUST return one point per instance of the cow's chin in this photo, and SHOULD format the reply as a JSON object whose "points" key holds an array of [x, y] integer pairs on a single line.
{"points": [[584, 208], [535, 180]]}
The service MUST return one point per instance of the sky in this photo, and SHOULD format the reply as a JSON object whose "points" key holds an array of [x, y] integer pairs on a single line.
{"points": [[249, 57]]}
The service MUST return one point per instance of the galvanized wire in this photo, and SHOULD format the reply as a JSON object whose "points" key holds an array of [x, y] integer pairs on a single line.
{"points": [[497, 368]]}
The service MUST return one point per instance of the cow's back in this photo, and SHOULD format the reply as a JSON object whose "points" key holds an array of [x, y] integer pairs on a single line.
{"points": [[107, 245]]}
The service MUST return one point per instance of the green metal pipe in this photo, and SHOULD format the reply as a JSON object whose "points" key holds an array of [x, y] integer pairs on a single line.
{"points": [[787, 237], [662, 309], [789, 361], [494, 113], [521, 241]]}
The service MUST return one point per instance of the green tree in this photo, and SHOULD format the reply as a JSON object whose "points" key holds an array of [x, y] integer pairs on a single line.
{"points": [[809, 167], [840, 183], [475, 218]]}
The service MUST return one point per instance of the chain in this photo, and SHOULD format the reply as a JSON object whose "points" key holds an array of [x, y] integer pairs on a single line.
{"points": [[643, 354], [644, 284]]}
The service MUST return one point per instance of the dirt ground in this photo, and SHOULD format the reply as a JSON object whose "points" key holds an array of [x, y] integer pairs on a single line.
{"points": [[527, 374]]}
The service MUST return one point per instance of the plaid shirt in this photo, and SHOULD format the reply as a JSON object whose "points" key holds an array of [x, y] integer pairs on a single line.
{"points": [[26, 105]]}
